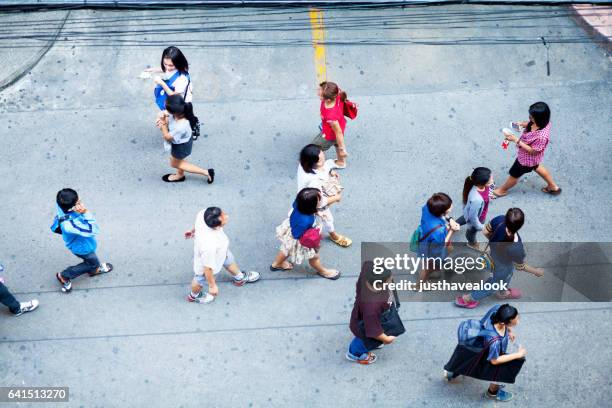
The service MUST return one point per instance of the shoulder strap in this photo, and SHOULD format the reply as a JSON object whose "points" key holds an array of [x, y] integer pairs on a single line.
{"points": [[430, 232], [63, 218], [173, 78], [187, 87]]}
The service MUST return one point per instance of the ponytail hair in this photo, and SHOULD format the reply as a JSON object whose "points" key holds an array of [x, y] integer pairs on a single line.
{"points": [[176, 105], [479, 177], [504, 314], [331, 91]]}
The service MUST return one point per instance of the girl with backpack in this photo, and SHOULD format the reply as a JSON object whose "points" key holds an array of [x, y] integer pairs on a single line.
{"points": [[300, 236], [476, 190], [435, 232], [333, 122], [175, 129], [175, 81], [482, 351]]}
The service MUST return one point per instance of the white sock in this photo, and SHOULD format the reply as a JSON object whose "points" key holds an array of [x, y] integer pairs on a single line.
{"points": [[239, 276]]}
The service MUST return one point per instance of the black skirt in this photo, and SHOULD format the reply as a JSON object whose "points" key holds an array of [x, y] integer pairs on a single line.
{"points": [[181, 151], [472, 362]]}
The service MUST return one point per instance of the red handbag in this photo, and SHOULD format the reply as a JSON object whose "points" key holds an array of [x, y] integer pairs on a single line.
{"points": [[350, 109], [311, 238]]}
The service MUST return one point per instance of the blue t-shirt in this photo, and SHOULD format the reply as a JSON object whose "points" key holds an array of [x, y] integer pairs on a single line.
{"points": [[503, 247], [498, 345], [434, 245]]}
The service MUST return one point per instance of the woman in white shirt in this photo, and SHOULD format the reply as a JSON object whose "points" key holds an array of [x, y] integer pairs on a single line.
{"points": [[316, 172]]}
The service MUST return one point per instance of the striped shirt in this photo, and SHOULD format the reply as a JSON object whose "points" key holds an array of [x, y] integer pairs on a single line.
{"points": [[537, 140]]}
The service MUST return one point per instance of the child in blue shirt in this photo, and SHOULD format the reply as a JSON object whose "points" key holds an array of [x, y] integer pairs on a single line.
{"points": [[78, 228]]}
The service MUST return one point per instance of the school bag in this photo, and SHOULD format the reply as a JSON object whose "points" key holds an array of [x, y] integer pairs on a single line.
{"points": [[350, 109], [160, 94], [417, 238], [471, 331]]}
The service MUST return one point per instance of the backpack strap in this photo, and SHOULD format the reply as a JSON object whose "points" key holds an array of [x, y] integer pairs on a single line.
{"points": [[174, 77], [424, 237], [187, 87]]}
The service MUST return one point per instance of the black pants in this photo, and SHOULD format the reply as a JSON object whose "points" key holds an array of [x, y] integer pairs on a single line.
{"points": [[8, 300]]}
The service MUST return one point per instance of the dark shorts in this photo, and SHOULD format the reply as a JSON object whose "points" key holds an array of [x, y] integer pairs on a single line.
{"points": [[517, 169], [181, 151], [325, 144]]}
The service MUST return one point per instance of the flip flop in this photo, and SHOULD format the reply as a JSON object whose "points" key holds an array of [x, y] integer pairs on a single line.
{"points": [[211, 173], [273, 269], [551, 192], [335, 277], [166, 178]]}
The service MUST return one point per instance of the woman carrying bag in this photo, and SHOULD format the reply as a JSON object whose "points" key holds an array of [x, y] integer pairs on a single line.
{"points": [[482, 351], [374, 320]]}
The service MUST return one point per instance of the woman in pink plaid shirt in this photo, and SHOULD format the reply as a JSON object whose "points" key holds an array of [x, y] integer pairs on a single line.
{"points": [[531, 146]]}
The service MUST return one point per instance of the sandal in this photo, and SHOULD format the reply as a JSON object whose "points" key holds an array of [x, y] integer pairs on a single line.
{"points": [[166, 178], [460, 302], [551, 192], [280, 269], [333, 277], [211, 173], [342, 241], [512, 293]]}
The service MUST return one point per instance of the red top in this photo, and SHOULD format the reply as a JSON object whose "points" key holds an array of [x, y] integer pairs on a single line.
{"points": [[330, 114], [485, 196]]}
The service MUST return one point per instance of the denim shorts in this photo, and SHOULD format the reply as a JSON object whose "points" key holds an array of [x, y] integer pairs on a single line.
{"points": [[229, 259]]}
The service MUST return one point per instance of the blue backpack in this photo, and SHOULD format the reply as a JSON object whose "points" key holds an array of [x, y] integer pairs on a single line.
{"points": [[470, 332], [160, 94]]}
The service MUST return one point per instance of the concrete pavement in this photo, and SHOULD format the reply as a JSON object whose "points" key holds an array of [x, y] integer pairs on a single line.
{"points": [[428, 114]]}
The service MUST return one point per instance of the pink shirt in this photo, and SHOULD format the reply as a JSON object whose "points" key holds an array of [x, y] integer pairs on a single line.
{"points": [[331, 114], [537, 140], [485, 196]]}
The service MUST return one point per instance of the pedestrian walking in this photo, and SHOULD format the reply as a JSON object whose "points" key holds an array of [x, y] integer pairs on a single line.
{"points": [[333, 122], [316, 172], [374, 320], [174, 81], [434, 233], [300, 236], [476, 193], [531, 146], [78, 228], [175, 130], [7, 299], [482, 351], [211, 253], [507, 252]]}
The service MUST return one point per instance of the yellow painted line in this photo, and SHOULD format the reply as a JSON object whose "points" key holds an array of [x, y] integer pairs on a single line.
{"points": [[318, 43]]}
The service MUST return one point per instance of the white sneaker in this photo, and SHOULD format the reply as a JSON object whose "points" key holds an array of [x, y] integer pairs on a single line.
{"points": [[25, 307], [202, 298]]}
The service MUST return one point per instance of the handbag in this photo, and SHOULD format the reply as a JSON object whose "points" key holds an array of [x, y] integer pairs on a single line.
{"points": [[389, 320], [311, 238], [350, 109]]}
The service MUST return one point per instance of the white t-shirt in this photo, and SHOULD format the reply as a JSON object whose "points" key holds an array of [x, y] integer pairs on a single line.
{"points": [[180, 84], [316, 179], [180, 130], [209, 248]]}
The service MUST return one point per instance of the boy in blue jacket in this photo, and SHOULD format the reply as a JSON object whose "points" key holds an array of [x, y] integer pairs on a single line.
{"points": [[78, 228]]}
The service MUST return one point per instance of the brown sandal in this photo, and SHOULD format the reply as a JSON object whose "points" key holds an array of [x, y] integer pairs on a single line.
{"points": [[342, 241], [551, 192]]}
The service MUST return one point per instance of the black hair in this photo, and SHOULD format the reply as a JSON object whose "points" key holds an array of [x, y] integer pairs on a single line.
{"points": [[177, 57], [505, 314], [66, 199], [176, 105], [479, 177], [540, 112], [515, 218], [212, 217], [438, 204], [367, 269], [309, 157], [307, 200]]}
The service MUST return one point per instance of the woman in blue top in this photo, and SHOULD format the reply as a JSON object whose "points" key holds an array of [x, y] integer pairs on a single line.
{"points": [[506, 251], [302, 217], [496, 329], [437, 229]]}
